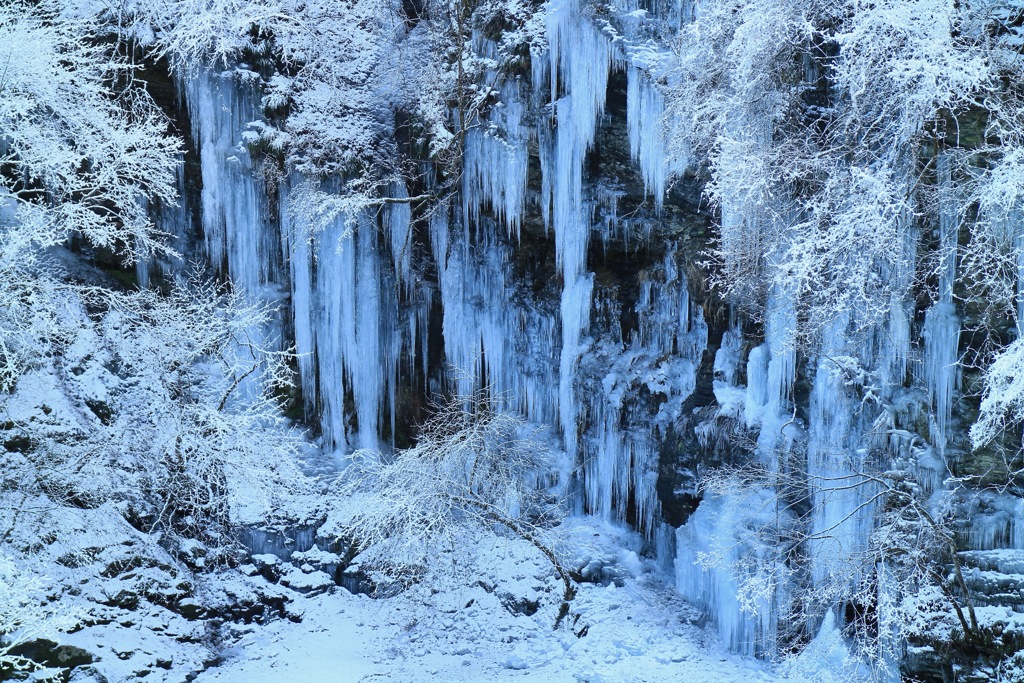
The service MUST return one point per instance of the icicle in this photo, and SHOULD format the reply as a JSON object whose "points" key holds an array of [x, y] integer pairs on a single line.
{"points": [[688, 10], [948, 225], [349, 349], [942, 325], [580, 59], [1017, 526], [619, 463], [142, 266], [495, 163], [175, 221], [363, 355], [645, 107], [239, 238], [843, 511], [296, 244], [942, 372], [771, 371], [994, 521], [606, 215], [622, 443], [897, 341], [757, 385], [546, 154], [1017, 223], [488, 334], [399, 224], [989, 531], [780, 335], [727, 358], [234, 222], [335, 285], [575, 309]]}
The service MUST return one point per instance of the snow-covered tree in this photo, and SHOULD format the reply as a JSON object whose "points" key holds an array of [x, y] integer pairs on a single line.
{"points": [[79, 149], [169, 409], [22, 614], [80, 145], [815, 128], [198, 414], [157, 411], [474, 471]]}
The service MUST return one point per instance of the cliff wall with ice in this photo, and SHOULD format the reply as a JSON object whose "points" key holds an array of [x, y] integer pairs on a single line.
{"points": [[567, 270]]}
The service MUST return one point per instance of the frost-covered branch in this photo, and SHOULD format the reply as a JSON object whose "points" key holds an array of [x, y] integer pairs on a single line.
{"points": [[473, 466]]}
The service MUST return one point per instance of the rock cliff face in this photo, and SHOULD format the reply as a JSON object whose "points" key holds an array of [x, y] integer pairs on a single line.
{"points": [[553, 276], [563, 271]]}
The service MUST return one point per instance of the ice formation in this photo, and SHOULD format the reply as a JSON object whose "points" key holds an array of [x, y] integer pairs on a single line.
{"points": [[942, 325], [646, 132], [357, 310], [361, 319], [239, 237]]}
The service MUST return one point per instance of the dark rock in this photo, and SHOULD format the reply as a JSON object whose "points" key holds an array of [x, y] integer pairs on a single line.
{"points": [[190, 609], [123, 599], [519, 605], [101, 410], [49, 654], [86, 674]]}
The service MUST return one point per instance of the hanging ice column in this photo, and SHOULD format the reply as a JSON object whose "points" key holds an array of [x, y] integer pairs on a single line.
{"points": [[726, 560], [728, 567], [347, 331], [648, 145], [345, 311], [297, 245], [771, 371], [580, 58], [238, 236], [488, 333], [622, 444], [1016, 225], [842, 501], [941, 323], [495, 161], [175, 220]]}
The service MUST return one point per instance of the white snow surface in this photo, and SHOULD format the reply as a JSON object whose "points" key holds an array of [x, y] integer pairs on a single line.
{"points": [[638, 630], [636, 634]]}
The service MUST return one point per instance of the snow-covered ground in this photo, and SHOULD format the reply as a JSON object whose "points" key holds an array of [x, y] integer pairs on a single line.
{"points": [[474, 630], [345, 637], [637, 633]]}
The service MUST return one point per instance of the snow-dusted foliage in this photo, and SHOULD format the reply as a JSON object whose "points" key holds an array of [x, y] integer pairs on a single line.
{"points": [[77, 154], [75, 160], [863, 159], [21, 612], [201, 405], [1002, 405], [139, 428], [474, 471]]}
